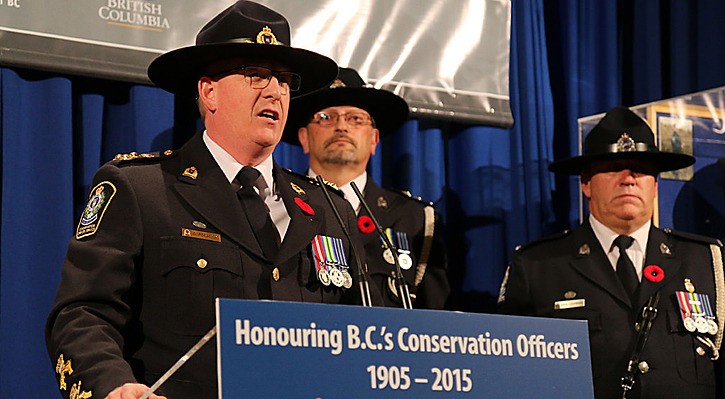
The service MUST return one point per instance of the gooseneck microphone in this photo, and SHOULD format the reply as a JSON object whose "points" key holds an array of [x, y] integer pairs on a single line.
{"points": [[403, 290], [361, 279]]}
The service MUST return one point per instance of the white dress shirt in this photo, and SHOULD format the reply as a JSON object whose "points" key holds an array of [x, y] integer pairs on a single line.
{"points": [[230, 167], [636, 251]]}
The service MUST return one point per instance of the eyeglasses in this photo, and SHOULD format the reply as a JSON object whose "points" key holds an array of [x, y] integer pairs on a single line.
{"points": [[352, 118], [259, 77]]}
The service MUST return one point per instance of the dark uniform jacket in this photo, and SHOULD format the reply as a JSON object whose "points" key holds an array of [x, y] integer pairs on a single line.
{"points": [[161, 238], [427, 279], [574, 266]]}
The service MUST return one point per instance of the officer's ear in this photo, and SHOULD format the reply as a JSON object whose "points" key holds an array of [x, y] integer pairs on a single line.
{"points": [[303, 137], [585, 177], [375, 140]]}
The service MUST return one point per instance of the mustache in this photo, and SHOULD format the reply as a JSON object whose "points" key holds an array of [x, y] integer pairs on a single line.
{"points": [[336, 137]]}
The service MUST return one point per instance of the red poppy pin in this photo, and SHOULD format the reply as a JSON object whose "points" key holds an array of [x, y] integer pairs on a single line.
{"points": [[306, 208], [365, 224], [653, 273]]}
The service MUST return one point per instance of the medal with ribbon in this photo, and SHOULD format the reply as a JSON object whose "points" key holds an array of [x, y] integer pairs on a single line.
{"points": [[399, 240], [318, 247]]}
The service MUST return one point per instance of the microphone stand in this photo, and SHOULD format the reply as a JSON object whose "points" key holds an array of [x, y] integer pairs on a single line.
{"points": [[649, 312], [403, 289], [182, 360], [361, 279]]}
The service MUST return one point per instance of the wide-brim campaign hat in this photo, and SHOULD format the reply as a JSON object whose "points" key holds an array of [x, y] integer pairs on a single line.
{"points": [[245, 29], [387, 109], [621, 134]]}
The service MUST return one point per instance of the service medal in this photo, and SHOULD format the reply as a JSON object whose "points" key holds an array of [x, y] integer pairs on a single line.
{"points": [[406, 262], [388, 256], [323, 276], [336, 277], [347, 283], [712, 327], [701, 324], [690, 324]]}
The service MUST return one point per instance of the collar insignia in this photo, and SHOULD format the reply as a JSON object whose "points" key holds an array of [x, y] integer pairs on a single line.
{"points": [[584, 249], [297, 189], [191, 172], [664, 249], [382, 203]]}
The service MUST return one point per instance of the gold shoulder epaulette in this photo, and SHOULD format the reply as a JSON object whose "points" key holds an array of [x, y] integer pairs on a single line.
{"points": [[132, 156], [313, 181]]}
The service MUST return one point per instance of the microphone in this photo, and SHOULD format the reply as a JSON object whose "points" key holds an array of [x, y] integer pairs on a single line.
{"points": [[361, 279], [403, 290]]}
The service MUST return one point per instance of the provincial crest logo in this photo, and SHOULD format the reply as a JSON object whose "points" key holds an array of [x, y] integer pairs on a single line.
{"points": [[265, 36], [100, 198]]}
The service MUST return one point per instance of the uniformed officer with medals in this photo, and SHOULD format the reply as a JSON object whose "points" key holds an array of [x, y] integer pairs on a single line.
{"points": [[612, 267], [164, 234], [340, 128]]}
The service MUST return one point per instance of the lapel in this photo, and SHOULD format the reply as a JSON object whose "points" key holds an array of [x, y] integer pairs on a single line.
{"points": [[376, 199], [660, 253], [594, 265], [378, 203], [209, 193], [302, 227]]}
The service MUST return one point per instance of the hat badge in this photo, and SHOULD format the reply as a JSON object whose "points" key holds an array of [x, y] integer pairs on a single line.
{"points": [[337, 83], [625, 143], [265, 36]]}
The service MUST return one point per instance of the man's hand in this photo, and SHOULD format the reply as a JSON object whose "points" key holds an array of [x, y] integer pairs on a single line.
{"points": [[131, 391]]}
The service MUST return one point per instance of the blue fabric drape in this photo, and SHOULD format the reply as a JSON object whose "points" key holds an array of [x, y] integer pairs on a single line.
{"points": [[568, 59]]}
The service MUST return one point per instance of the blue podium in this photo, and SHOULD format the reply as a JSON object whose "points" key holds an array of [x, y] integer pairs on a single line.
{"points": [[270, 349]]}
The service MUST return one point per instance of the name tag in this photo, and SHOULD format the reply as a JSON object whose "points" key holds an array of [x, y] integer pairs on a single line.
{"points": [[572, 303], [202, 235]]}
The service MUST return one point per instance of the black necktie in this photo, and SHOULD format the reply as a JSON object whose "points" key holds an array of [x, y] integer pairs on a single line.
{"points": [[625, 268], [257, 212]]}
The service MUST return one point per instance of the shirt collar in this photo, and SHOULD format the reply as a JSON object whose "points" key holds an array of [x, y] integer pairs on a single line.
{"points": [[231, 167], [606, 236]]}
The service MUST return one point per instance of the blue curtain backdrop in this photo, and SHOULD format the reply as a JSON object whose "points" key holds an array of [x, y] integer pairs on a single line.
{"points": [[569, 58]]}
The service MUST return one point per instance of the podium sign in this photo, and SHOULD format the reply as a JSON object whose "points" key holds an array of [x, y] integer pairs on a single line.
{"points": [[272, 349]]}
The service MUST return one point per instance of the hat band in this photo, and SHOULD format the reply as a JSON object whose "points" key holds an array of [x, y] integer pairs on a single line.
{"points": [[244, 40], [615, 148]]}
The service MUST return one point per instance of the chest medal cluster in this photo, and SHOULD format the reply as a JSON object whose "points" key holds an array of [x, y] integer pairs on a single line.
{"points": [[695, 310], [330, 261]]}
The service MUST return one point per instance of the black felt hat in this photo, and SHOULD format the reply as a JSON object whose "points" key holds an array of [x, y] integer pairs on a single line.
{"points": [[621, 134], [387, 109], [246, 29]]}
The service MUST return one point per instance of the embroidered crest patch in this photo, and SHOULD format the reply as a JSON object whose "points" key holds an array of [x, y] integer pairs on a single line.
{"points": [[100, 198]]}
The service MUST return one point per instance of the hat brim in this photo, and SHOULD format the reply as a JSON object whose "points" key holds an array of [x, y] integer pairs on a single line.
{"points": [[178, 71], [388, 110], [664, 161]]}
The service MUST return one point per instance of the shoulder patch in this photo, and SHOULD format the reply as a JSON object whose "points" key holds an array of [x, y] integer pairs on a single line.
{"points": [[408, 195], [98, 201], [552, 237], [694, 237]]}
